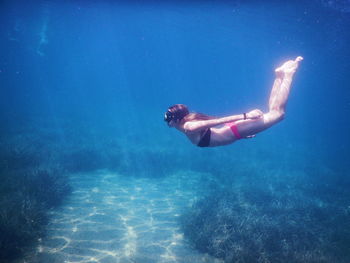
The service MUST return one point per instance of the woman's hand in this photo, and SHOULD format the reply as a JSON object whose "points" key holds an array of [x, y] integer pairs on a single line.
{"points": [[255, 114]]}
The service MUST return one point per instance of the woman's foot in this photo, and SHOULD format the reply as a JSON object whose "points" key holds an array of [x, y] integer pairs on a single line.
{"points": [[288, 67]]}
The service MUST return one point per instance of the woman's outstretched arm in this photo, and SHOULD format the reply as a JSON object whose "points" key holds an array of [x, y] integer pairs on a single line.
{"points": [[194, 126]]}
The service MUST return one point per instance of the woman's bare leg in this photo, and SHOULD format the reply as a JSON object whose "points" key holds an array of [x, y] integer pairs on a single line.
{"points": [[277, 101], [279, 94], [276, 87]]}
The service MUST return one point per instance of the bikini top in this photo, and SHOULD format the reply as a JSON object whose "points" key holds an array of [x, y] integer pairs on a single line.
{"points": [[205, 139]]}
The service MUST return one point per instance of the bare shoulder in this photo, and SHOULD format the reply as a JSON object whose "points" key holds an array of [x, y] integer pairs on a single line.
{"points": [[190, 126]]}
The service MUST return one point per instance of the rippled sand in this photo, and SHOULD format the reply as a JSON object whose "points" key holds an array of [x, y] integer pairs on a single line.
{"points": [[113, 218]]}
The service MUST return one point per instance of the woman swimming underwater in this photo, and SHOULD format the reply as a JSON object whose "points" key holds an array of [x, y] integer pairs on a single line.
{"points": [[206, 131]]}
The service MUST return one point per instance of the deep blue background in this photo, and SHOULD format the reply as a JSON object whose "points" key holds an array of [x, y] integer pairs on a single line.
{"points": [[119, 64]]}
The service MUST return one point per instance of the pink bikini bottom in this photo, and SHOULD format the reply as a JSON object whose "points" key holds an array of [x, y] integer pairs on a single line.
{"points": [[234, 129]]}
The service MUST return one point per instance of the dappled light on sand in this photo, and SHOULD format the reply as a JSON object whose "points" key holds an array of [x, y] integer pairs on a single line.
{"points": [[112, 218]]}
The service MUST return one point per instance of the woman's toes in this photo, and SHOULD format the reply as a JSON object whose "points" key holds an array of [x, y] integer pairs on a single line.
{"points": [[299, 58]]}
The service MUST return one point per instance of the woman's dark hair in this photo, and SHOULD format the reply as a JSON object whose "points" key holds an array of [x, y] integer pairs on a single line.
{"points": [[180, 111]]}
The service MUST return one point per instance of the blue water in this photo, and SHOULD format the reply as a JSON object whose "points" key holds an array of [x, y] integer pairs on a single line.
{"points": [[84, 86]]}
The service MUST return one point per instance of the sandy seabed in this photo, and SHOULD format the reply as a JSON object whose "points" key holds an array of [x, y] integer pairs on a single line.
{"points": [[113, 218]]}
